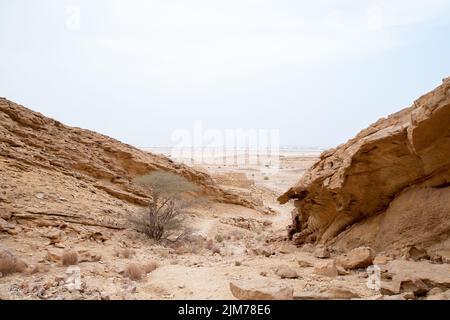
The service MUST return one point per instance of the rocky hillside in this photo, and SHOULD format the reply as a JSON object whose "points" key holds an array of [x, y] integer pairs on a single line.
{"points": [[54, 172], [389, 187]]}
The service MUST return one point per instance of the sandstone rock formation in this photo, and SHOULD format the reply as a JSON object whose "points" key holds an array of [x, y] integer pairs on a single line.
{"points": [[416, 277], [49, 171], [260, 290], [387, 188]]}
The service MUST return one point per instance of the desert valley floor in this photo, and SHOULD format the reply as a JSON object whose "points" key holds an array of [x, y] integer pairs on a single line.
{"points": [[249, 253]]}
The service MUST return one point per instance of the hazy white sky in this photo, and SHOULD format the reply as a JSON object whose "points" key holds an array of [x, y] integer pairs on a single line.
{"points": [[137, 69]]}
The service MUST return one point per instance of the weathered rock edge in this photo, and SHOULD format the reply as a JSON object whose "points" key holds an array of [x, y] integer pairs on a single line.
{"points": [[389, 186]]}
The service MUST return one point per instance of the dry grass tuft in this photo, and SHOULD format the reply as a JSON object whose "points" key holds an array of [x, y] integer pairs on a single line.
{"points": [[134, 272], [69, 258], [150, 266], [7, 265], [10, 264], [125, 253], [219, 238], [215, 250]]}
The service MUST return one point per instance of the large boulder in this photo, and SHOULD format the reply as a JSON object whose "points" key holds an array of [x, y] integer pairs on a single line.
{"points": [[260, 290], [327, 268], [388, 188], [286, 272], [415, 277]]}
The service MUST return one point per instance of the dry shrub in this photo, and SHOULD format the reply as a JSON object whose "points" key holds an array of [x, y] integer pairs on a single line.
{"points": [[237, 235], [21, 266], [150, 266], [219, 238], [215, 250], [134, 272], [209, 244], [10, 263], [164, 214], [69, 258], [7, 265], [126, 253]]}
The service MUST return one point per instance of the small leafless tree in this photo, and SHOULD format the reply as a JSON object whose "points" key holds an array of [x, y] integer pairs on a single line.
{"points": [[163, 216]]}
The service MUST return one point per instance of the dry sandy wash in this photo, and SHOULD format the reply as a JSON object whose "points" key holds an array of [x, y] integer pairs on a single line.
{"points": [[66, 195]]}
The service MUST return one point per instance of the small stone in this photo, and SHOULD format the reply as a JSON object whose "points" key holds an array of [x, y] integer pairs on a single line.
{"points": [[395, 297], [444, 256], [342, 271], [286, 272], [54, 236], [341, 294], [435, 291], [322, 252], [380, 260], [53, 256], [416, 254], [416, 286], [40, 195], [86, 256], [309, 248], [327, 269], [287, 248], [357, 258], [305, 264]]}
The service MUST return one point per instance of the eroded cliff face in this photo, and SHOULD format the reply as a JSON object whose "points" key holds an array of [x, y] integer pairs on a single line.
{"points": [[389, 187], [77, 174]]}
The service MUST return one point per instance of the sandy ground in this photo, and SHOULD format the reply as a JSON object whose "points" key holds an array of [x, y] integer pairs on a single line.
{"points": [[244, 246]]}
